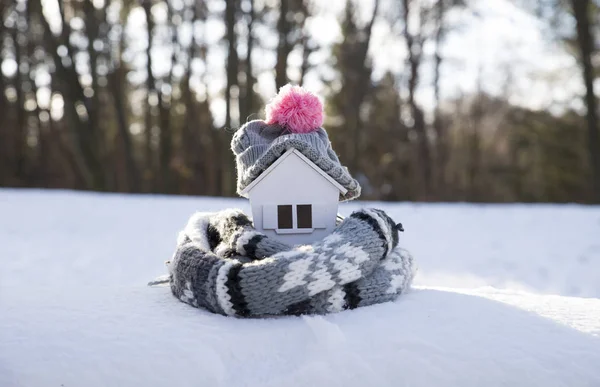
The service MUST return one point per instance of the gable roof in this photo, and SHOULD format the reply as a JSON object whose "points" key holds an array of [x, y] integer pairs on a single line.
{"points": [[284, 156]]}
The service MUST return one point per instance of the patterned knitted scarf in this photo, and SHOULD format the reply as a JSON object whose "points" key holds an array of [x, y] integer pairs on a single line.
{"points": [[222, 264]]}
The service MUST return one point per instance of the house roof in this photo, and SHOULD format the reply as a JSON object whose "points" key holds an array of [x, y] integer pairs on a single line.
{"points": [[284, 156]]}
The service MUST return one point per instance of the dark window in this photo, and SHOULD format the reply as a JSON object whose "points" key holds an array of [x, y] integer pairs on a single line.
{"points": [[304, 212], [284, 217]]}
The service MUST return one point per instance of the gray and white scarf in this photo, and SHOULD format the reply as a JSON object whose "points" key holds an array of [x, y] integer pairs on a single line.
{"points": [[222, 264]]}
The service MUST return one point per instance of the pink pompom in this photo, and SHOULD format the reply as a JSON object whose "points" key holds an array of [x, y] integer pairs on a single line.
{"points": [[296, 109]]}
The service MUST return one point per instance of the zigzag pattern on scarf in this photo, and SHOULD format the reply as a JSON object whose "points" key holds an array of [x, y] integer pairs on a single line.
{"points": [[225, 266]]}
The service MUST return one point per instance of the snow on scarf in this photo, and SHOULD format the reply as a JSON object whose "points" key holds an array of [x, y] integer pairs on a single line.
{"points": [[222, 264]]}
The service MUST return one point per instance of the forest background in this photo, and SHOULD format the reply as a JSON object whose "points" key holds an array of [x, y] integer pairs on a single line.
{"points": [[425, 100]]}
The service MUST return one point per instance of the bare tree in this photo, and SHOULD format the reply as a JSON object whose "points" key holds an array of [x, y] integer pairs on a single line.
{"points": [[308, 44], [5, 168], [586, 46], [150, 88], [291, 32], [77, 105], [354, 67], [232, 58], [414, 45], [474, 162], [92, 32], [246, 99], [226, 165], [283, 46], [21, 133], [165, 98], [438, 123], [364, 78], [117, 85]]}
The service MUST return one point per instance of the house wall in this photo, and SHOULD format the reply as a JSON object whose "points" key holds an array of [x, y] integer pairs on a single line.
{"points": [[295, 182]]}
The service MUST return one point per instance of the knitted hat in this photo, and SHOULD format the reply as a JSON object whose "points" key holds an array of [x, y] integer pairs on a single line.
{"points": [[293, 120]]}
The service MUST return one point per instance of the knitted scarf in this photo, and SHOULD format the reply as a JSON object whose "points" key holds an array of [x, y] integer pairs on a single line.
{"points": [[223, 265]]}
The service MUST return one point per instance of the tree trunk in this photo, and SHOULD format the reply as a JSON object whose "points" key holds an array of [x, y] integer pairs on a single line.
{"points": [[165, 103], [247, 93], [232, 58], [35, 168], [438, 124], [93, 102], [283, 47], [364, 79], [4, 136], [21, 132], [306, 51], [192, 138], [150, 88], [72, 92], [192, 131], [585, 42], [232, 81], [474, 166], [414, 48], [57, 140], [211, 144], [117, 80], [308, 46]]}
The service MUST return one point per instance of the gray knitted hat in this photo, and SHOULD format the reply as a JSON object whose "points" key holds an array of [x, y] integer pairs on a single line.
{"points": [[294, 119]]}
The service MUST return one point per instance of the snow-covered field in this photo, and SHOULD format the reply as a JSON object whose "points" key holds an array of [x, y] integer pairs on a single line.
{"points": [[506, 295]]}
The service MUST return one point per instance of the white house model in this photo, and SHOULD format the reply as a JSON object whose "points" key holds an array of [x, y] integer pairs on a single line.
{"points": [[293, 200]]}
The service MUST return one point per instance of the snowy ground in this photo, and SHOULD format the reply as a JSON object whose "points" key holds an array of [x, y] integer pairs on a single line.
{"points": [[505, 296]]}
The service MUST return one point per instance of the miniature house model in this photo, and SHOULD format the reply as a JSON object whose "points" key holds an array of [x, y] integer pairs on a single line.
{"points": [[294, 200]]}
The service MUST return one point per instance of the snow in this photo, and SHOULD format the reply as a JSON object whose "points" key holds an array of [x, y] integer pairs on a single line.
{"points": [[506, 295]]}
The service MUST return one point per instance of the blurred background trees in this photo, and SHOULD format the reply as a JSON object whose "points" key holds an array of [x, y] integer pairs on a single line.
{"points": [[144, 95]]}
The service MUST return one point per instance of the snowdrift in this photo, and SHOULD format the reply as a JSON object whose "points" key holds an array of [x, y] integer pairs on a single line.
{"points": [[505, 295]]}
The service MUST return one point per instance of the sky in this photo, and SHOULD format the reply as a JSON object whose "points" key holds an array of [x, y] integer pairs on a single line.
{"points": [[498, 36], [492, 44]]}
